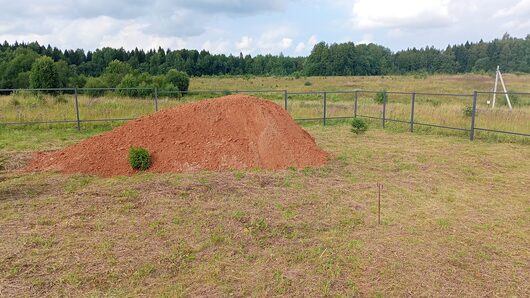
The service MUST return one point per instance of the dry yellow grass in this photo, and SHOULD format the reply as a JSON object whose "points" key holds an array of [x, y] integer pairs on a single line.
{"points": [[456, 222]]}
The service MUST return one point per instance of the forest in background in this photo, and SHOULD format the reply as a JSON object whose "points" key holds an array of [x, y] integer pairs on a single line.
{"points": [[110, 67]]}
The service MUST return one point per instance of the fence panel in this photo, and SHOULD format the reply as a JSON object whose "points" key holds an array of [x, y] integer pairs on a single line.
{"points": [[448, 111], [368, 105], [340, 105], [114, 104], [398, 110], [514, 122], [70, 107], [306, 106], [43, 106]]}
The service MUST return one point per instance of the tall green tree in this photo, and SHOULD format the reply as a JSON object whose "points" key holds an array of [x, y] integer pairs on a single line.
{"points": [[178, 79], [115, 72], [44, 74], [14, 69]]}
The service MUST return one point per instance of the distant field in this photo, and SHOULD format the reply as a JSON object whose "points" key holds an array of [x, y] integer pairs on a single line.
{"points": [[430, 109], [420, 83], [455, 222]]}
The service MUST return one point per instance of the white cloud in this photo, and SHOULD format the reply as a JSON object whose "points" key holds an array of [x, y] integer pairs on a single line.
{"points": [[395, 33], [234, 6], [366, 39], [522, 25], [79, 33], [312, 41], [274, 40], [522, 8], [286, 42], [369, 14], [216, 47], [150, 21], [133, 35], [300, 47], [245, 44], [303, 48], [515, 17]]}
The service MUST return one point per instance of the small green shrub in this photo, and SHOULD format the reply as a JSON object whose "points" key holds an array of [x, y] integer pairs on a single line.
{"points": [[358, 126], [468, 111], [308, 83], [226, 92], [380, 97], [139, 158]]}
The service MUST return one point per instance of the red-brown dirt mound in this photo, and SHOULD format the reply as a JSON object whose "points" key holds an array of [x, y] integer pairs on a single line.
{"points": [[230, 132]]}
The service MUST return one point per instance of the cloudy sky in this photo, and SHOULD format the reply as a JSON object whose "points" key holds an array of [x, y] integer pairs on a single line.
{"points": [[259, 26]]}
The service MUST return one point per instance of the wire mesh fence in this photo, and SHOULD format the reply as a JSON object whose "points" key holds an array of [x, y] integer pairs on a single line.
{"points": [[462, 113]]}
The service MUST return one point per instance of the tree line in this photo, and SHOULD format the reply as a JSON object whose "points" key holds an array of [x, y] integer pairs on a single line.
{"points": [[110, 67], [512, 54]]}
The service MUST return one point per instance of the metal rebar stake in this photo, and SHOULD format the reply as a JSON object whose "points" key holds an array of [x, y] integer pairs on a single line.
{"points": [[77, 110], [412, 112], [156, 100], [325, 108], [473, 114], [355, 105], [384, 110], [285, 99]]}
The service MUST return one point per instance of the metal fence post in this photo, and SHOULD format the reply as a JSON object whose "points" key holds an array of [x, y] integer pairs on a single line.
{"points": [[77, 110], [355, 105], [412, 112], [473, 114], [324, 108], [384, 109], [156, 100], [285, 99]]}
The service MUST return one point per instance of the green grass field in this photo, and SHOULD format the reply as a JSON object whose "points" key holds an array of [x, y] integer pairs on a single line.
{"points": [[455, 214]]}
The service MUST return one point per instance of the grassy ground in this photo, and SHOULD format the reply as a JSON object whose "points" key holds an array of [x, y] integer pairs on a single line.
{"points": [[455, 222]]}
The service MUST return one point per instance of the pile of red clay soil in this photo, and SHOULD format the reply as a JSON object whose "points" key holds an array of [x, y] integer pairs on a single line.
{"points": [[230, 132]]}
